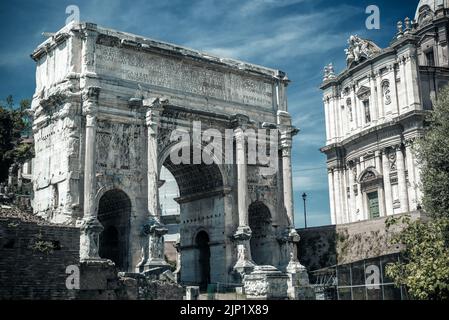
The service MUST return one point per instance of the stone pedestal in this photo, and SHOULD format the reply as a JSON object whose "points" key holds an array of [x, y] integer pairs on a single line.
{"points": [[156, 260], [177, 272], [244, 264], [298, 278], [89, 239], [266, 283], [192, 293], [97, 274]]}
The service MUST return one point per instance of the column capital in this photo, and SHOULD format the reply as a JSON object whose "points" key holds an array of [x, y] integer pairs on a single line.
{"points": [[154, 227], [287, 134], [90, 101], [240, 137], [154, 108], [157, 103], [287, 151], [240, 121], [397, 147], [242, 233], [350, 163], [409, 142]]}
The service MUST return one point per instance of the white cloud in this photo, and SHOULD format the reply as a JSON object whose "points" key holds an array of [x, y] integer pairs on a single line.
{"points": [[255, 6], [270, 40], [314, 179]]}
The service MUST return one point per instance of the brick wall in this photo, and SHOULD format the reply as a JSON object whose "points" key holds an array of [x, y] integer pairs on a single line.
{"points": [[33, 259]]}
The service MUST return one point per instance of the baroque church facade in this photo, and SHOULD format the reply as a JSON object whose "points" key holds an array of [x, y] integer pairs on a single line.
{"points": [[375, 110]]}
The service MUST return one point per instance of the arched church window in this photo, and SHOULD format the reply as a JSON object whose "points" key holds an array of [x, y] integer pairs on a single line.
{"points": [[425, 15]]}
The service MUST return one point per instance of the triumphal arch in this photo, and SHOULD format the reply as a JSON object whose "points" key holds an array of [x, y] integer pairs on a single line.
{"points": [[111, 109]]}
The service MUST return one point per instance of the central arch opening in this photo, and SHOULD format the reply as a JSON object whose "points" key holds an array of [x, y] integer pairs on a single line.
{"points": [[114, 212], [202, 244], [199, 193], [261, 239]]}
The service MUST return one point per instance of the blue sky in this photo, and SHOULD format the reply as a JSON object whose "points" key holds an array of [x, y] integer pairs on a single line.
{"points": [[296, 36]]}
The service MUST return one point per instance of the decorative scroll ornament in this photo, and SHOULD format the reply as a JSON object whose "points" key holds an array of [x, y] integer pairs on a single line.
{"points": [[360, 50], [392, 160]]}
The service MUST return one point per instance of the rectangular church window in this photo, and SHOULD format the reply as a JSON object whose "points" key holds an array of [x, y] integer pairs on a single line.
{"points": [[430, 58], [367, 112], [373, 205]]}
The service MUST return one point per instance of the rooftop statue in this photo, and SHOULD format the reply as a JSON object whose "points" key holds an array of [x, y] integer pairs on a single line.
{"points": [[359, 50]]}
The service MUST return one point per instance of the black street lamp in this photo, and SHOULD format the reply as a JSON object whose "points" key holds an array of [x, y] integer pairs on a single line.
{"points": [[304, 197]]}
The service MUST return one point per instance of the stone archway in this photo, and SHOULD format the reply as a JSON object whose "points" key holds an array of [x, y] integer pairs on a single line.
{"points": [[114, 212], [201, 206], [261, 239]]}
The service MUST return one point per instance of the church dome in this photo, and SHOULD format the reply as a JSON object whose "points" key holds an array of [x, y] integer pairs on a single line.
{"points": [[428, 7]]}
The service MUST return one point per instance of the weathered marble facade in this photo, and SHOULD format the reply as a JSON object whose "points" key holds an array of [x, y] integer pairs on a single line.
{"points": [[374, 112], [105, 105]]}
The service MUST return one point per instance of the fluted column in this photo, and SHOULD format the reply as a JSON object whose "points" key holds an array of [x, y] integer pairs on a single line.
{"points": [[404, 84], [330, 173], [327, 119], [337, 195], [411, 72], [360, 207], [355, 110], [374, 108], [381, 190], [417, 173], [154, 229], [380, 97], [394, 90], [242, 236], [352, 199], [387, 184], [332, 120], [242, 177], [402, 182], [344, 195], [90, 226], [287, 181], [411, 175]]}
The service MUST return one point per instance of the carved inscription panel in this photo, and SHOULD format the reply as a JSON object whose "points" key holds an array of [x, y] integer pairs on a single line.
{"points": [[181, 75]]}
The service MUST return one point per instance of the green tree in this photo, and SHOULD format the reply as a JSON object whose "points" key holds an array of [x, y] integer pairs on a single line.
{"points": [[13, 122], [433, 156], [424, 266]]}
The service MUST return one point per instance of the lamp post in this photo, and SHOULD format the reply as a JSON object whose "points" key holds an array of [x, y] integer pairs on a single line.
{"points": [[304, 197]]}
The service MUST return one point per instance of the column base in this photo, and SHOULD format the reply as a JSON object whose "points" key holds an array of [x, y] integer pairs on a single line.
{"points": [[155, 267], [89, 239], [244, 264], [266, 283], [298, 278]]}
